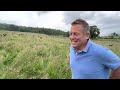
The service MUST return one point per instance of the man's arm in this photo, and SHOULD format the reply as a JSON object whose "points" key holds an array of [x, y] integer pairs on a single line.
{"points": [[115, 74]]}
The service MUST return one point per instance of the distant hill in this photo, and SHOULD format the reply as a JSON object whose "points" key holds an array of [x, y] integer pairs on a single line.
{"points": [[48, 31]]}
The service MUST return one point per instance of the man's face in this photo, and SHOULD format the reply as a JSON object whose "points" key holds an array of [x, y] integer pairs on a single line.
{"points": [[77, 36]]}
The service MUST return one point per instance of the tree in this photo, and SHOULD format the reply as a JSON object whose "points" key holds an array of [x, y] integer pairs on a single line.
{"points": [[94, 31], [113, 35], [48, 31], [67, 34]]}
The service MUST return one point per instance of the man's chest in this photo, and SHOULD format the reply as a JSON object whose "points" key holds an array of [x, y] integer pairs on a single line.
{"points": [[85, 64]]}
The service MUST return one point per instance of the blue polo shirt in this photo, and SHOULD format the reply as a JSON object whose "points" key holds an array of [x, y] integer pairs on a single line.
{"points": [[94, 62]]}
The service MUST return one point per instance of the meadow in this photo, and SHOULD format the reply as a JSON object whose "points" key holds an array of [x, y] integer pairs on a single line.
{"points": [[26, 55]]}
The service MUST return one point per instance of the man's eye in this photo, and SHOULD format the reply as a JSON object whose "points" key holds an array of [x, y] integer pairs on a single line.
{"points": [[75, 33]]}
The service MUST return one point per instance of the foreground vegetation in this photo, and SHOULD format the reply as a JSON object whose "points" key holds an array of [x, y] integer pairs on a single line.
{"points": [[29, 55], [26, 55]]}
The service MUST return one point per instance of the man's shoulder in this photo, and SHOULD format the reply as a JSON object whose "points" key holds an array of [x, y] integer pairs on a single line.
{"points": [[98, 46], [98, 49]]}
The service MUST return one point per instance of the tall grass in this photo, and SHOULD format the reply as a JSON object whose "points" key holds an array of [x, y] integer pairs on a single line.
{"points": [[30, 55], [37, 56]]}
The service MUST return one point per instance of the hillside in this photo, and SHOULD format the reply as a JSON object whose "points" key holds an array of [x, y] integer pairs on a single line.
{"points": [[47, 31]]}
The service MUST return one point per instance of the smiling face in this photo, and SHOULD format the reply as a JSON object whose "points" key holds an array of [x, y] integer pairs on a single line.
{"points": [[78, 37]]}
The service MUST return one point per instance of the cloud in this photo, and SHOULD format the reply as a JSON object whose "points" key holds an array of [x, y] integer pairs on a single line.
{"points": [[69, 16], [42, 12], [107, 21]]}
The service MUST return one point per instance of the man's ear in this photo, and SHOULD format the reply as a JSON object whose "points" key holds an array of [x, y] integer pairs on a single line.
{"points": [[87, 35]]}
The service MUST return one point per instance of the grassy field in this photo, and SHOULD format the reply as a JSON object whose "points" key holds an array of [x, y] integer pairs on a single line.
{"points": [[32, 55], [37, 56]]}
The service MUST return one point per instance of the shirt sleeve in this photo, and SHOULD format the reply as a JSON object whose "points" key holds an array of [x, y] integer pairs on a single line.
{"points": [[110, 59]]}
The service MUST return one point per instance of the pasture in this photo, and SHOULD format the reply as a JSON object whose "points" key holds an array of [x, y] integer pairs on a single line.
{"points": [[26, 55]]}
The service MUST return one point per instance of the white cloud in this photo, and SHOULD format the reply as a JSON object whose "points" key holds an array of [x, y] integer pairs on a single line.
{"points": [[107, 21]]}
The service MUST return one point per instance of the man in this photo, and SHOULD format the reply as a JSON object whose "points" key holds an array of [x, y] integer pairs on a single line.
{"points": [[89, 60]]}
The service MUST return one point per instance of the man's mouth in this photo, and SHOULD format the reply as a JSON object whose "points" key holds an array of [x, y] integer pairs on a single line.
{"points": [[74, 41]]}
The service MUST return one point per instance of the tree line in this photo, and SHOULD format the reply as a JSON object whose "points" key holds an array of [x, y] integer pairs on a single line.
{"points": [[48, 31], [11, 27]]}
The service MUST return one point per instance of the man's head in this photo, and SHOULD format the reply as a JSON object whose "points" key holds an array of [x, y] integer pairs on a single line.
{"points": [[79, 34]]}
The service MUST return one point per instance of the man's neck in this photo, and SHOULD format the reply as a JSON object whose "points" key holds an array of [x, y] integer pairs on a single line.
{"points": [[82, 47]]}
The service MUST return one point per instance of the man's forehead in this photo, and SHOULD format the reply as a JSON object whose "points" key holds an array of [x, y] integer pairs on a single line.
{"points": [[73, 30], [78, 27]]}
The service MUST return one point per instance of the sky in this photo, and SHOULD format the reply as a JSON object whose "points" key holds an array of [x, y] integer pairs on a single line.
{"points": [[107, 21]]}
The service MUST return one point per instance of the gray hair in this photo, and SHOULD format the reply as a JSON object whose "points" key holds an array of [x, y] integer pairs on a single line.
{"points": [[83, 23]]}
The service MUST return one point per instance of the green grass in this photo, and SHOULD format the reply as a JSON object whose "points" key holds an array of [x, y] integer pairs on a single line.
{"points": [[26, 55], [33, 56]]}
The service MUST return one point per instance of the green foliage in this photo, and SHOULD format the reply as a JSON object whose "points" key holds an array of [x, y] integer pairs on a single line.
{"points": [[48, 31], [114, 35], [94, 31], [67, 34]]}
